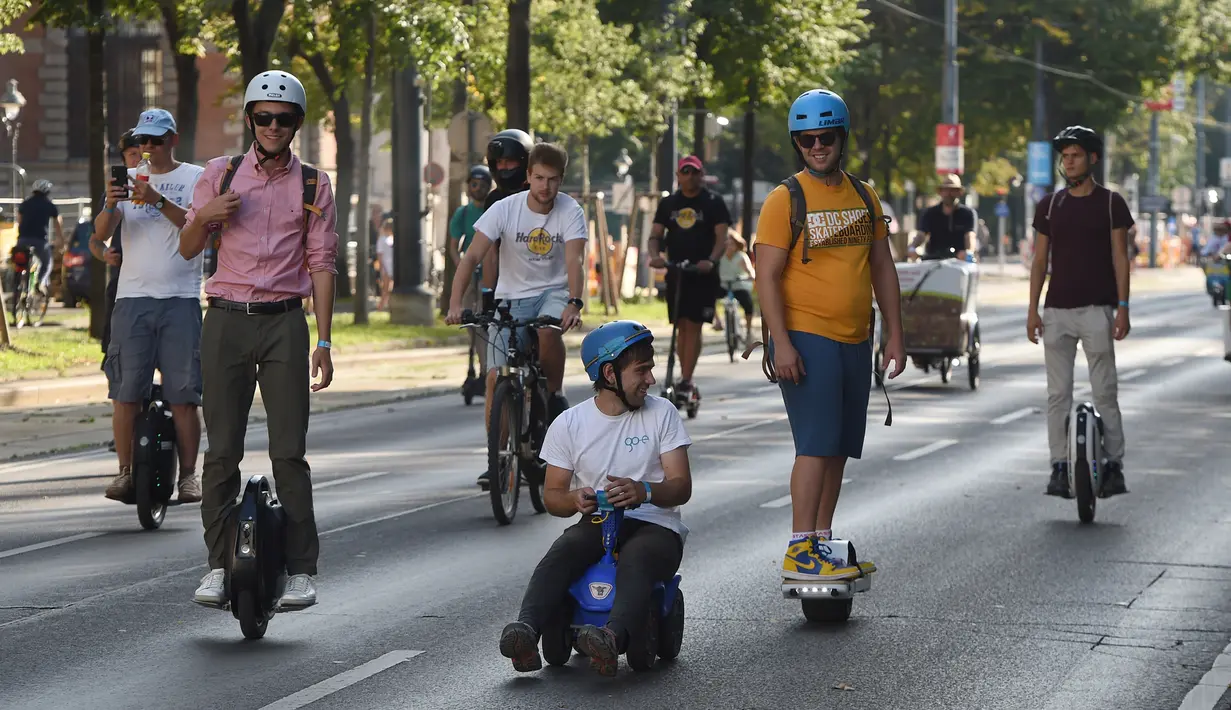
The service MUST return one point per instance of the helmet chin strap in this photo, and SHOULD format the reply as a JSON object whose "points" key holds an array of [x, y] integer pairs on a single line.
{"points": [[619, 390], [1077, 181], [822, 174], [265, 155]]}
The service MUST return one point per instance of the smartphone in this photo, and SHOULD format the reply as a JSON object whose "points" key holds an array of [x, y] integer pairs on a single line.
{"points": [[119, 176]]}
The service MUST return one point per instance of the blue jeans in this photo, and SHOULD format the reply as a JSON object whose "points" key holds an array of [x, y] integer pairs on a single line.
{"points": [[548, 303]]}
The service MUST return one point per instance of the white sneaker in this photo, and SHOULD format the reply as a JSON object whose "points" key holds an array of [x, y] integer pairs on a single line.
{"points": [[300, 592], [212, 591]]}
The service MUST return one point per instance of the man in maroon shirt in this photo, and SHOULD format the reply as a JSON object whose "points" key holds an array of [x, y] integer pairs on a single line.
{"points": [[274, 251], [1084, 230]]}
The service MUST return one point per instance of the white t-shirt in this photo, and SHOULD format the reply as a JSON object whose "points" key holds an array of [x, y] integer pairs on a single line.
{"points": [[594, 445], [729, 270], [153, 267], [531, 244], [384, 252]]}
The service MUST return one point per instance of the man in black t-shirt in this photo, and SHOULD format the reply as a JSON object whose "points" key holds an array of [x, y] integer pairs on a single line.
{"points": [[948, 227], [694, 221], [34, 214], [1084, 231]]}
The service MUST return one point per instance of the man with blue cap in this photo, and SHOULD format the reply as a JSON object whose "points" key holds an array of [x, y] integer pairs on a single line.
{"points": [[156, 322], [633, 445]]}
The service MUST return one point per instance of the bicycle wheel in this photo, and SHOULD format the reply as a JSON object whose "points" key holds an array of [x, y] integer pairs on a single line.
{"points": [[536, 468], [36, 308], [18, 293], [503, 464]]}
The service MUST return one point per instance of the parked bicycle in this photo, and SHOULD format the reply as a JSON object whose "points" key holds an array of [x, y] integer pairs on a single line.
{"points": [[519, 415]]}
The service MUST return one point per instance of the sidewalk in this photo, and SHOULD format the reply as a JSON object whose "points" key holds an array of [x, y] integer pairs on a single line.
{"points": [[39, 417]]}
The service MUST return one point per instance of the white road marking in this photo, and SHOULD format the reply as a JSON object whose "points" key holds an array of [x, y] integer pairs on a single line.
{"points": [[329, 686], [49, 543], [391, 516], [1131, 375], [785, 500], [1013, 416], [349, 479], [743, 427], [925, 450], [1171, 361], [1210, 689]]}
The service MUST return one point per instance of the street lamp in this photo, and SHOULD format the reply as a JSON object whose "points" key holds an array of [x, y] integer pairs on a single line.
{"points": [[12, 102]]}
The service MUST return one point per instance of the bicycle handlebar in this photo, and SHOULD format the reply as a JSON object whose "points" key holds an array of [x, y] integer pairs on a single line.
{"points": [[472, 319]]}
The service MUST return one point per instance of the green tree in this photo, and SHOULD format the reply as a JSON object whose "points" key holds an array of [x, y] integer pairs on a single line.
{"points": [[10, 10]]}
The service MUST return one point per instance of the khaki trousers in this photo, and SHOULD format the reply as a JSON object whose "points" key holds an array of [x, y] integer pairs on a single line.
{"points": [[1092, 326]]}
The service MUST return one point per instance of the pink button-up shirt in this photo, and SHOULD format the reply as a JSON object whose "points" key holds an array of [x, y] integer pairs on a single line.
{"points": [[262, 250]]}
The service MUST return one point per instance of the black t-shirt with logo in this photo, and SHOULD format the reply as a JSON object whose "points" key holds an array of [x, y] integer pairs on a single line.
{"points": [[690, 223], [36, 213], [1079, 236], [946, 231]]}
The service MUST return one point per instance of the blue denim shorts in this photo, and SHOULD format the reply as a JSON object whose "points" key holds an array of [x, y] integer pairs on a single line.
{"points": [[548, 303], [828, 409]]}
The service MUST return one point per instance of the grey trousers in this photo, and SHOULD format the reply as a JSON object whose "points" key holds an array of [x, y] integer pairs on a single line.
{"points": [[1092, 326]]}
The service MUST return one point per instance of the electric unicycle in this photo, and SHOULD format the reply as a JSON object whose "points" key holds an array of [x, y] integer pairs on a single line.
{"points": [[831, 600], [256, 579], [155, 461], [1084, 427]]}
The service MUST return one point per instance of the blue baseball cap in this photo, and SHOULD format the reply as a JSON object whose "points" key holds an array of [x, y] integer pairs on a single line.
{"points": [[155, 122]]}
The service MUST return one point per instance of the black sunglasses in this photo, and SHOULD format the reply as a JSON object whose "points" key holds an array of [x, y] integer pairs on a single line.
{"points": [[286, 119], [806, 141], [151, 140], [689, 171]]}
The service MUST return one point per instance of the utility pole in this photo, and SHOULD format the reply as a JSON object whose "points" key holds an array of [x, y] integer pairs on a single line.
{"points": [[950, 79], [1199, 192], [1039, 171], [1153, 188]]}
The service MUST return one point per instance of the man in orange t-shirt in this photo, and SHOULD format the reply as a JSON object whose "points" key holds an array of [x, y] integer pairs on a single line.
{"points": [[816, 300]]}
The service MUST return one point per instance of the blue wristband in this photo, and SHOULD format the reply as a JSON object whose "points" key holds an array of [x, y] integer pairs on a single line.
{"points": [[1124, 304], [323, 344], [647, 491]]}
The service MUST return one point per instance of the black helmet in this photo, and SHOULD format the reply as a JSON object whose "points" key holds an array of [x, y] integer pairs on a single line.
{"points": [[1078, 135], [480, 172], [512, 143]]}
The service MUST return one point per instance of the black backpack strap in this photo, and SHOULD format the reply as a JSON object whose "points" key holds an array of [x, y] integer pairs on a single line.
{"points": [[799, 214], [216, 235], [867, 202], [310, 177]]}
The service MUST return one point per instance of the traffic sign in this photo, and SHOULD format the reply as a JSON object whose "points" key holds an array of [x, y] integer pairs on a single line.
{"points": [[433, 174], [1152, 203], [1002, 209], [1038, 166], [1224, 172], [950, 155]]}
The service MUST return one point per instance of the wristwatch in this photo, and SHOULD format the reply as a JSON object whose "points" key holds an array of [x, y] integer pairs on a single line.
{"points": [[577, 302], [162, 201]]}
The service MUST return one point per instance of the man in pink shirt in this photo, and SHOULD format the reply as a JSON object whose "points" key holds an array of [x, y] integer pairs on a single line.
{"points": [[273, 251]]}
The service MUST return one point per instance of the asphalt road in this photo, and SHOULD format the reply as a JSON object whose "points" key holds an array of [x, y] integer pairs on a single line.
{"points": [[989, 595]]}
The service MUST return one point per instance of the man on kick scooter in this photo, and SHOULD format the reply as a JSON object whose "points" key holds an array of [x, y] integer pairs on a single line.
{"points": [[633, 445], [695, 222], [1084, 230], [816, 301]]}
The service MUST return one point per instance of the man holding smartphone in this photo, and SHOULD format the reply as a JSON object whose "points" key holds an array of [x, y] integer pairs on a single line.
{"points": [[157, 317]]}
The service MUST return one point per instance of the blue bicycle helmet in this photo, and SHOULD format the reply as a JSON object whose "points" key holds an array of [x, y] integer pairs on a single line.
{"points": [[606, 342], [818, 108]]}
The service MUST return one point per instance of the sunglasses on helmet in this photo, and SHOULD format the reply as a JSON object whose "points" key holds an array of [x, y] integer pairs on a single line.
{"points": [[285, 119], [806, 141]]}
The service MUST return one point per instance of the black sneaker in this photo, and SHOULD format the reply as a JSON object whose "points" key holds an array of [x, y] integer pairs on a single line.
{"points": [[1113, 480], [1059, 483], [519, 643], [485, 480]]}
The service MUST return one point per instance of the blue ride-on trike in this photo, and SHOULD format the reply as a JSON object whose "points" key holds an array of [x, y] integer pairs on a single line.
{"points": [[590, 599]]}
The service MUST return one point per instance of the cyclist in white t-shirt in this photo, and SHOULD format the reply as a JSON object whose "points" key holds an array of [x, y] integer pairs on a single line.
{"points": [[542, 238], [633, 445]]}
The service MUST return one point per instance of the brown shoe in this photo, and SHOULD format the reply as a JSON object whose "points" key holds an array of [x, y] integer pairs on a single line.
{"points": [[190, 488], [121, 486]]}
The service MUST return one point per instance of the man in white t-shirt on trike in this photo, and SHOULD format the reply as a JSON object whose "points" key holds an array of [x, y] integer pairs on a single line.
{"points": [[541, 237], [634, 446]]}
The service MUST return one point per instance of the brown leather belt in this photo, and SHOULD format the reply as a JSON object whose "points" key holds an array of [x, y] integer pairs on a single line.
{"points": [[257, 308]]}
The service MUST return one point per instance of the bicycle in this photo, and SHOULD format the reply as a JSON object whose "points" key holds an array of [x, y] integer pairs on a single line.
{"points": [[28, 300], [731, 322], [519, 415]]}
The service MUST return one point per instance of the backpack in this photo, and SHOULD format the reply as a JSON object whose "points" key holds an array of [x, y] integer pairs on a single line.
{"points": [[309, 197], [799, 216]]}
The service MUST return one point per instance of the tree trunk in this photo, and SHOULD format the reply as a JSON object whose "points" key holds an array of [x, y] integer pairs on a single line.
{"points": [[750, 134], [698, 127], [362, 258], [346, 165], [517, 67], [98, 161], [256, 38], [187, 76]]}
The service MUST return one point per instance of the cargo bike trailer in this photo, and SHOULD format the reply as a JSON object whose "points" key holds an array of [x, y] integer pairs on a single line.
{"points": [[939, 320]]}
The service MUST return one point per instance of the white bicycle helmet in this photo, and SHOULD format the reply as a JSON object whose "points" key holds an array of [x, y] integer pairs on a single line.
{"points": [[43, 186], [276, 85]]}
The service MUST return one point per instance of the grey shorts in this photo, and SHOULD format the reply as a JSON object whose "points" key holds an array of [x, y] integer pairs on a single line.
{"points": [[155, 332], [548, 303]]}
